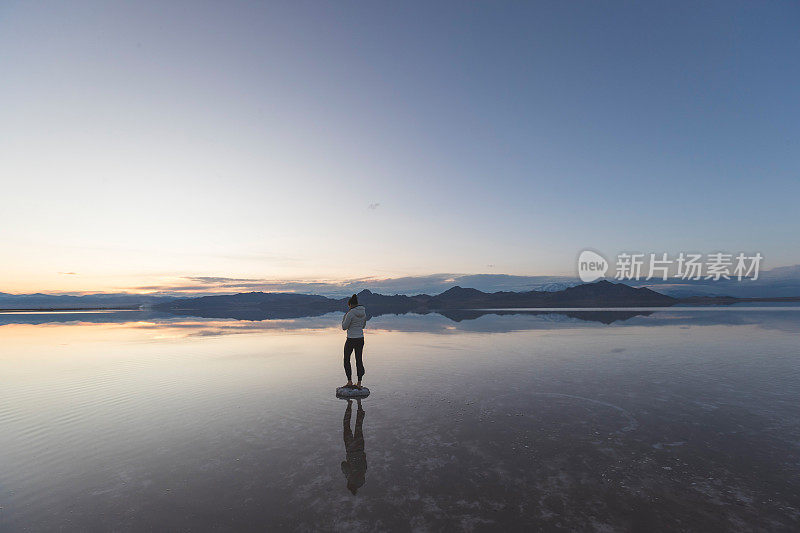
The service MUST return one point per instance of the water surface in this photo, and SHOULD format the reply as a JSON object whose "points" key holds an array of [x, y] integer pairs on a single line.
{"points": [[575, 420]]}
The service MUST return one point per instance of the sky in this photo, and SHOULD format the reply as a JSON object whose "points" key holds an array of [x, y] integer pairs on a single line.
{"points": [[148, 144]]}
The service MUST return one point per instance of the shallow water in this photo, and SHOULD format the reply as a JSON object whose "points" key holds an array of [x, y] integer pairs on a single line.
{"points": [[645, 420]]}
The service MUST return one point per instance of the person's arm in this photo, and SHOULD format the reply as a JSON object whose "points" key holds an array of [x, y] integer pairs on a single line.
{"points": [[346, 320]]}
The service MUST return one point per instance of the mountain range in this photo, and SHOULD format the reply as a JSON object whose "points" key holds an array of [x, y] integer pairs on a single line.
{"points": [[772, 283], [264, 305], [259, 305], [71, 301]]}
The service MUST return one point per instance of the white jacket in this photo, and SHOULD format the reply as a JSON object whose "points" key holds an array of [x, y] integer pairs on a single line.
{"points": [[354, 322]]}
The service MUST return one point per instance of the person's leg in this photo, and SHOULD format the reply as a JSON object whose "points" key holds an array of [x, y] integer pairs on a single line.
{"points": [[359, 346], [348, 349], [347, 432]]}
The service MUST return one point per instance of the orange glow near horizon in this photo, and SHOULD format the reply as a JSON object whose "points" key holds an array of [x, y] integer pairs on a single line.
{"points": [[79, 286]]}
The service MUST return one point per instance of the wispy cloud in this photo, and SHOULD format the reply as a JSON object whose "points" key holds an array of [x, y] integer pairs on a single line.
{"points": [[217, 280], [374, 206], [68, 273]]}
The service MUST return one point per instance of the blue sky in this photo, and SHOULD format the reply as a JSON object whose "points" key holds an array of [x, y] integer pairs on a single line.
{"points": [[147, 142]]}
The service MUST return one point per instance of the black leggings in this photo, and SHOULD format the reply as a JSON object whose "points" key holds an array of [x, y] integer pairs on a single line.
{"points": [[358, 346]]}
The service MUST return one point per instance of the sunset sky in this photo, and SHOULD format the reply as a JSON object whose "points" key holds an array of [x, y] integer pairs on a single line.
{"points": [[146, 143]]}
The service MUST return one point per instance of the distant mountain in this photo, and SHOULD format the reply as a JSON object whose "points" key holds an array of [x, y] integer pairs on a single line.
{"points": [[599, 294], [387, 304], [556, 286], [253, 305], [67, 301], [413, 292], [260, 306], [780, 281], [775, 283]]}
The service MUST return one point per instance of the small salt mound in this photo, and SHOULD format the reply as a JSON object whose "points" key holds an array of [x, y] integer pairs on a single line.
{"points": [[346, 392]]}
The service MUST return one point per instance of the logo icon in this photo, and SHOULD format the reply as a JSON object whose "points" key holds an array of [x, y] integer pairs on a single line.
{"points": [[591, 266]]}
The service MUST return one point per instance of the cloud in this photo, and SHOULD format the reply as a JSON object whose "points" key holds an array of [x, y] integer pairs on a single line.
{"points": [[374, 206], [68, 273], [215, 280]]}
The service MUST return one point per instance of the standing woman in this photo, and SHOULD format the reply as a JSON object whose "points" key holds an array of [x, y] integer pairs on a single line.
{"points": [[354, 321]]}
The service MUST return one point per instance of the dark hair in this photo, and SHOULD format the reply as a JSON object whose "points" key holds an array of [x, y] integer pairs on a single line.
{"points": [[353, 300]]}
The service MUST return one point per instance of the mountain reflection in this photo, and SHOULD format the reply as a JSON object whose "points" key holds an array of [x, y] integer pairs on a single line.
{"points": [[456, 315], [443, 322], [604, 317], [282, 316]]}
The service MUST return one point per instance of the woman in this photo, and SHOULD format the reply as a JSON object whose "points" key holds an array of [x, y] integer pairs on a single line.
{"points": [[354, 321]]}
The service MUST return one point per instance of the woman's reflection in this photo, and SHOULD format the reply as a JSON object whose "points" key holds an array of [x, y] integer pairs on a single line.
{"points": [[355, 466]]}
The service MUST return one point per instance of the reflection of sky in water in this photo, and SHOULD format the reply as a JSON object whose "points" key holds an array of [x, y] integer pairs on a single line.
{"points": [[497, 321], [672, 419]]}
